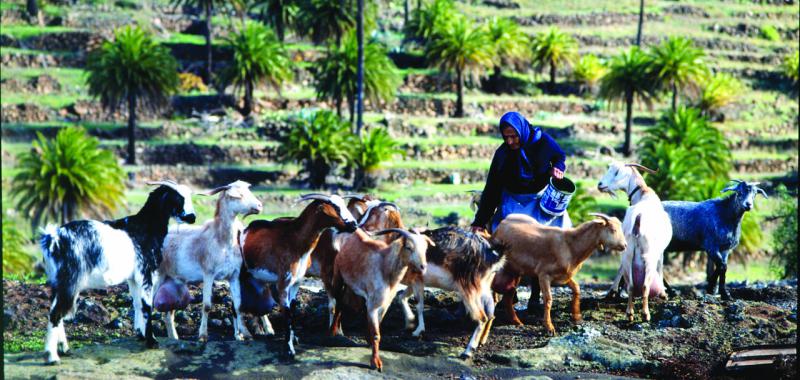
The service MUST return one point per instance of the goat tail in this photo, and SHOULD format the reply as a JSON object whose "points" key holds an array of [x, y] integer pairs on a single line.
{"points": [[49, 243]]}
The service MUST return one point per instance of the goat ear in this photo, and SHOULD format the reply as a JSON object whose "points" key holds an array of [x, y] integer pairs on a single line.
{"points": [[234, 193]]}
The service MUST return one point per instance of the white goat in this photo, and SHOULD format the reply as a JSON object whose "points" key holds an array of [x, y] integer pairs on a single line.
{"points": [[211, 252], [648, 231]]}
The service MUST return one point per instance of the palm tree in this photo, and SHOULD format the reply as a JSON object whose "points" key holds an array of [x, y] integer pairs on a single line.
{"points": [[462, 47], [258, 57], [678, 65], [629, 79], [207, 6], [691, 154], [134, 69], [319, 140], [67, 176], [427, 19], [277, 13], [554, 48], [588, 72], [510, 45], [336, 74], [719, 91], [359, 68], [323, 19]]}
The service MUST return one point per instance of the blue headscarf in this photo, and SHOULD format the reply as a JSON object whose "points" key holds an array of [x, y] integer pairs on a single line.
{"points": [[527, 137]]}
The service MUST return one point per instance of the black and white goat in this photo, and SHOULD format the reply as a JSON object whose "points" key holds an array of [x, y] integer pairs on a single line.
{"points": [[89, 254]]}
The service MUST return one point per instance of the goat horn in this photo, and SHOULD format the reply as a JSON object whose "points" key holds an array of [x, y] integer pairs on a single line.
{"points": [[645, 168], [315, 196], [731, 187], [214, 191], [162, 182], [353, 196], [400, 231], [762, 192], [389, 204], [601, 216]]}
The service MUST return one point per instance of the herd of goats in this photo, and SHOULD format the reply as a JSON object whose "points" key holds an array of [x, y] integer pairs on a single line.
{"points": [[361, 250]]}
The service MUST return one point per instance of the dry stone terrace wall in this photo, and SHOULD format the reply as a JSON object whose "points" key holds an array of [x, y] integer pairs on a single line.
{"points": [[587, 19]]}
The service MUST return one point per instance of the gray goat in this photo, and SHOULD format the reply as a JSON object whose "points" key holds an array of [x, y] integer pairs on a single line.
{"points": [[714, 226]]}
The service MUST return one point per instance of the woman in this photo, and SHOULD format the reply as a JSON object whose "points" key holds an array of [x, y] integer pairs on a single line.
{"points": [[521, 168]]}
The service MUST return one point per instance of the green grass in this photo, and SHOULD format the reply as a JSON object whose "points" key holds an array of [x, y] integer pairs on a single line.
{"points": [[70, 78], [450, 140], [30, 343], [44, 100], [22, 31], [11, 50], [467, 164]]}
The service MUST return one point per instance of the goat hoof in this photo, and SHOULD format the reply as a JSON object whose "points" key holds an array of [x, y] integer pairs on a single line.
{"points": [[203, 338], [152, 343], [551, 331], [516, 322], [290, 355], [725, 296], [629, 316], [466, 355]]}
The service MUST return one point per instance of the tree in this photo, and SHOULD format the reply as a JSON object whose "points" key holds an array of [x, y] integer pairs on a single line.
{"points": [[319, 140], [278, 14], [629, 79], [678, 65], [641, 21], [324, 19], [588, 72], [691, 154], [510, 45], [372, 149], [554, 48], [336, 74], [359, 68], [717, 92], [132, 69], [258, 58], [34, 13], [427, 19], [791, 68], [207, 6], [66, 176], [462, 47]]}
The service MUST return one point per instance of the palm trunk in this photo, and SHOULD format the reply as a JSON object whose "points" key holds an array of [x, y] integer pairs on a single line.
{"points": [[279, 25], [131, 129], [552, 77], [460, 95], [419, 5], [405, 12], [360, 69], [641, 20], [248, 98], [339, 106], [208, 42], [626, 149], [674, 96], [351, 107], [497, 76]]}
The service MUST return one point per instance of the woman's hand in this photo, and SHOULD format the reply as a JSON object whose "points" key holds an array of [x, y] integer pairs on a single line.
{"points": [[556, 172], [478, 230]]}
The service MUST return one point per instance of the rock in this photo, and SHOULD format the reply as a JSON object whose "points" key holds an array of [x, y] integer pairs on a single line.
{"points": [[735, 311], [216, 322], [117, 324], [8, 318], [91, 312]]}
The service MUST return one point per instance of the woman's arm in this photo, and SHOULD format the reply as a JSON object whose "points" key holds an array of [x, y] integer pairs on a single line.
{"points": [[490, 198]]}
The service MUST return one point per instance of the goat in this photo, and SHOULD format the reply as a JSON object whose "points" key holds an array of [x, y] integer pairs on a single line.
{"points": [[552, 254], [89, 254], [462, 262], [713, 226], [279, 251], [373, 269], [648, 231], [373, 215], [211, 252]]}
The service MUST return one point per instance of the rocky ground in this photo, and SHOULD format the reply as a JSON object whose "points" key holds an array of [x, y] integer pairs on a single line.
{"points": [[690, 336]]}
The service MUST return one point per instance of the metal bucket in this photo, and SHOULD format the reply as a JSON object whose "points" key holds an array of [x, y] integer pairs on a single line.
{"points": [[556, 196]]}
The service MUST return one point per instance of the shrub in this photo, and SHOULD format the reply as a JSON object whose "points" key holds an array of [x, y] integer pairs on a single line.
{"points": [[430, 18], [588, 72], [552, 49], [319, 141], [784, 239], [190, 82], [719, 91], [375, 147], [791, 67], [768, 32], [15, 259], [581, 205]]}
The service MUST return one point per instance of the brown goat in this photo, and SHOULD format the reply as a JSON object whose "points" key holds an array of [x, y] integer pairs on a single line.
{"points": [[552, 254], [278, 251]]}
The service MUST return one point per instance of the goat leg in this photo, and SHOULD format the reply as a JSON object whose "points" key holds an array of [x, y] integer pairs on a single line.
{"points": [[616, 285], [289, 314], [374, 336], [576, 301], [535, 302], [544, 283], [723, 269], [711, 273], [508, 306], [419, 292]]}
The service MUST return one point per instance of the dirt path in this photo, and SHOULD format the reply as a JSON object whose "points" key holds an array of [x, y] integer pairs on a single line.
{"points": [[690, 336]]}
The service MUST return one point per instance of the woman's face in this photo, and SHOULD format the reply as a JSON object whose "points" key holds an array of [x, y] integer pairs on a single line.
{"points": [[510, 137]]}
